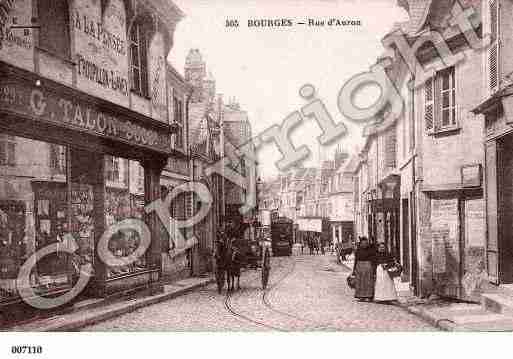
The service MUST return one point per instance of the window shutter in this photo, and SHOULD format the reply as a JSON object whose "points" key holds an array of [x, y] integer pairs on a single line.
{"points": [[429, 104], [493, 50], [3, 152], [437, 103], [390, 147]]}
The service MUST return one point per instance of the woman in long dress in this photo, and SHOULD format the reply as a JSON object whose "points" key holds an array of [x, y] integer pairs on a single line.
{"points": [[364, 270], [384, 290]]}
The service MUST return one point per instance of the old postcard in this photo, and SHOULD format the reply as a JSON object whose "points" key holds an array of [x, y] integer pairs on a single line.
{"points": [[246, 166]]}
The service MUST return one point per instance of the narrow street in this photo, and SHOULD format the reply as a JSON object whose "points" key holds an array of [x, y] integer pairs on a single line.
{"points": [[306, 293]]}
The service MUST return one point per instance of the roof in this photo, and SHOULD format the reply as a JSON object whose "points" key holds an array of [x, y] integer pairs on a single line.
{"points": [[418, 11]]}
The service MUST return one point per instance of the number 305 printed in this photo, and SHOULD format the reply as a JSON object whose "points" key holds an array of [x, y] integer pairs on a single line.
{"points": [[26, 349]]}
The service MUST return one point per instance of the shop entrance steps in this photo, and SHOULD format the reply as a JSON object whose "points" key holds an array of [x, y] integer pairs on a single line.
{"points": [[499, 300]]}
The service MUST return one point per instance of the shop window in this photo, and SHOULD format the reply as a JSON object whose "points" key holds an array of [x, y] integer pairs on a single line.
{"points": [[34, 214], [53, 18], [139, 58], [178, 118], [440, 108], [7, 150], [123, 202]]}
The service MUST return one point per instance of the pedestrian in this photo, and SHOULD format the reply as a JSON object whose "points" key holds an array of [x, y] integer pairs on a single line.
{"points": [[384, 290], [364, 270]]}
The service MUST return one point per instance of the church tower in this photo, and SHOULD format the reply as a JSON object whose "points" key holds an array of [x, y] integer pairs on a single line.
{"points": [[195, 73]]}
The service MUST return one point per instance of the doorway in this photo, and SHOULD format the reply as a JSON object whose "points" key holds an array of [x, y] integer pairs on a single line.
{"points": [[505, 209]]}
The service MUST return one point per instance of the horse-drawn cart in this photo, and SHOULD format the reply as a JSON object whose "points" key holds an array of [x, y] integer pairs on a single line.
{"points": [[234, 255]]}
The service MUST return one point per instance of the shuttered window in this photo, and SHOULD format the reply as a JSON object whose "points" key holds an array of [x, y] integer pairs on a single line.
{"points": [[440, 107], [53, 19]]}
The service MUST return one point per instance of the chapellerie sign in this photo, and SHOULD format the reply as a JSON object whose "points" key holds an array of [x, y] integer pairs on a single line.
{"points": [[36, 102]]}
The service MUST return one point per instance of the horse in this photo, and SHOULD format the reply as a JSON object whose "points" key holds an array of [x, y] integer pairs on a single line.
{"points": [[233, 264]]}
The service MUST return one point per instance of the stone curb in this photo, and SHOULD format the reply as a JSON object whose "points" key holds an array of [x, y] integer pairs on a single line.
{"points": [[438, 322], [91, 319]]}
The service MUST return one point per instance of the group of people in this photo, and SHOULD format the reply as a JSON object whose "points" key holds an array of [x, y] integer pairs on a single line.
{"points": [[315, 244], [370, 271]]}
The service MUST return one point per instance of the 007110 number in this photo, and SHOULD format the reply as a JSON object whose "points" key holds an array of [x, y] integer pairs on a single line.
{"points": [[26, 349]]}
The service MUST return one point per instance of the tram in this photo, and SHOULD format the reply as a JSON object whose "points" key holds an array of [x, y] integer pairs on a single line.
{"points": [[281, 236]]}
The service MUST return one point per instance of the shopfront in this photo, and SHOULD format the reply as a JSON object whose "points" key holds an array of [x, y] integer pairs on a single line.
{"points": [[75, 165]]}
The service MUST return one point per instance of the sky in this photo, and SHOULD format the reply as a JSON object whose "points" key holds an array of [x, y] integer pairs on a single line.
{"points": [[264, 68]]}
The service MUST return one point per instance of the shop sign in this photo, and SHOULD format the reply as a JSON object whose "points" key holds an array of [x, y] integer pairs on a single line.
{"points": [[310, 224], [107, 78], [66, 111], [471, 176]]}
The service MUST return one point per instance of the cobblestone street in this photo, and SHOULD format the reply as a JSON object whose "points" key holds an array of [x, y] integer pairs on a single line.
{"points": [[306, 293]]}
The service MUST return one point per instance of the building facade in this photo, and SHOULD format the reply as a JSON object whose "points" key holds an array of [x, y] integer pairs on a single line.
{"points": [[419, 181], [86, 132]]}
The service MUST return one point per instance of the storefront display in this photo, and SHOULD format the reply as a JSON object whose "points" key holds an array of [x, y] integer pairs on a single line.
{"points": [[54, 190], [120, 204]]}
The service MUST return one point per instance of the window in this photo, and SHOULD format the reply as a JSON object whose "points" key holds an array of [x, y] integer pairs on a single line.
{"points": [[58, 158], [140, 178], [178, 117], [7, 150], [440, 101], [139, 60], [112, 169], [448, 97], [53, 18]]}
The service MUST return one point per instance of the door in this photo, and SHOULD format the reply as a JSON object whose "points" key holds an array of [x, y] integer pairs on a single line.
{"points": [[504, 203], [492, 248]]}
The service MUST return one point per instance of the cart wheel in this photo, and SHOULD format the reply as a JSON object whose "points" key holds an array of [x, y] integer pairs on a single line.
{"points": [[266, 267]]}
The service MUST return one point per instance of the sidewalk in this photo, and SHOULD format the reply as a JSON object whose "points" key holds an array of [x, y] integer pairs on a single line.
{"points": [[449, 315], [93, 311]]}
